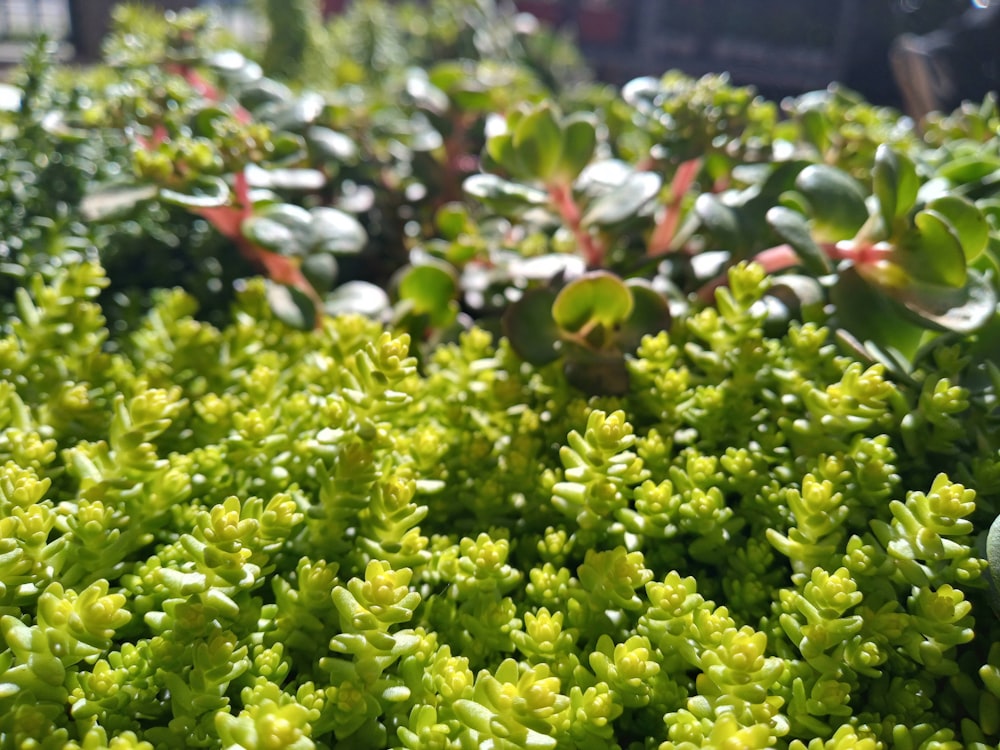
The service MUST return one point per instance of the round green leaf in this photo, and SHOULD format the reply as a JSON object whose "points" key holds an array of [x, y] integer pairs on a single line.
{"points": [[537, 139], [595, 298], [291, 306], [271, 235], [358, 297], [320, 270], [204, 121], [836, 202], [263, 91], [869, 315], [967, 222], [579, 142], [625, 201], [430, 289], [333, 231], [530, 327], [597, 373], [931, 251], [281, 227]]}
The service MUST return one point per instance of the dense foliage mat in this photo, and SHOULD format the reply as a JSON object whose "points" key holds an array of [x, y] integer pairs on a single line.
{"points": [[255, 537], [413, 390]]}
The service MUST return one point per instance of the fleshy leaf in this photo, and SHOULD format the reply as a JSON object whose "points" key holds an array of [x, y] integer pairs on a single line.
{"points": [[722, 221], [538, 142], [205, 192], [10, 98], [793, 228], [360, 297], [330, 145], [836, 202], [281, 227], [650, 315], [285, 179], [961, 310], [320, 270], [966, 220], [530, 327], [895, 183], [430, 288], [993, 560], [625, 201], [595, 298], [291, 306], [595, 372], [931, 252], [870, 315], [333, 231], [579, 142], [503, 195]]}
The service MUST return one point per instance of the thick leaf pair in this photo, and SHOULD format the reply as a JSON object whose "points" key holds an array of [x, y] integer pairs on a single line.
{"points": [[912, 263], [591, 323]]}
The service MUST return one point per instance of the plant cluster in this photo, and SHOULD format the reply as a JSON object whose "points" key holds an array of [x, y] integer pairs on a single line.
{"points": [[411, 393], [256, 537]]}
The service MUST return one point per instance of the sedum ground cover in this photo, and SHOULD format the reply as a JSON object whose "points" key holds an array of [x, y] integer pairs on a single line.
{"points": [[417, 392], [252, 537]]}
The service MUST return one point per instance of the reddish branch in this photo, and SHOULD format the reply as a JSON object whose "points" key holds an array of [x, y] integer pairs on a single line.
{"points": [[562, 198], [666, 228]]}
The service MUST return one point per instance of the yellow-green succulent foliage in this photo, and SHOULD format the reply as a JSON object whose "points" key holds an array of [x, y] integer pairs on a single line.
{"points": [[259, 537]]}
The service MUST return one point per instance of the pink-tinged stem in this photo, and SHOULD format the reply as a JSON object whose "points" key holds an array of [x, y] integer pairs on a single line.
{"points": [[860, 254], [228, 221], [666, 228], [562, 199]]}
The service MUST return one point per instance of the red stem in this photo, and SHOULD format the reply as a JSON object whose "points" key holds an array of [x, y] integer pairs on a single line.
{"points": [[562, 198], [666, 228]]}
